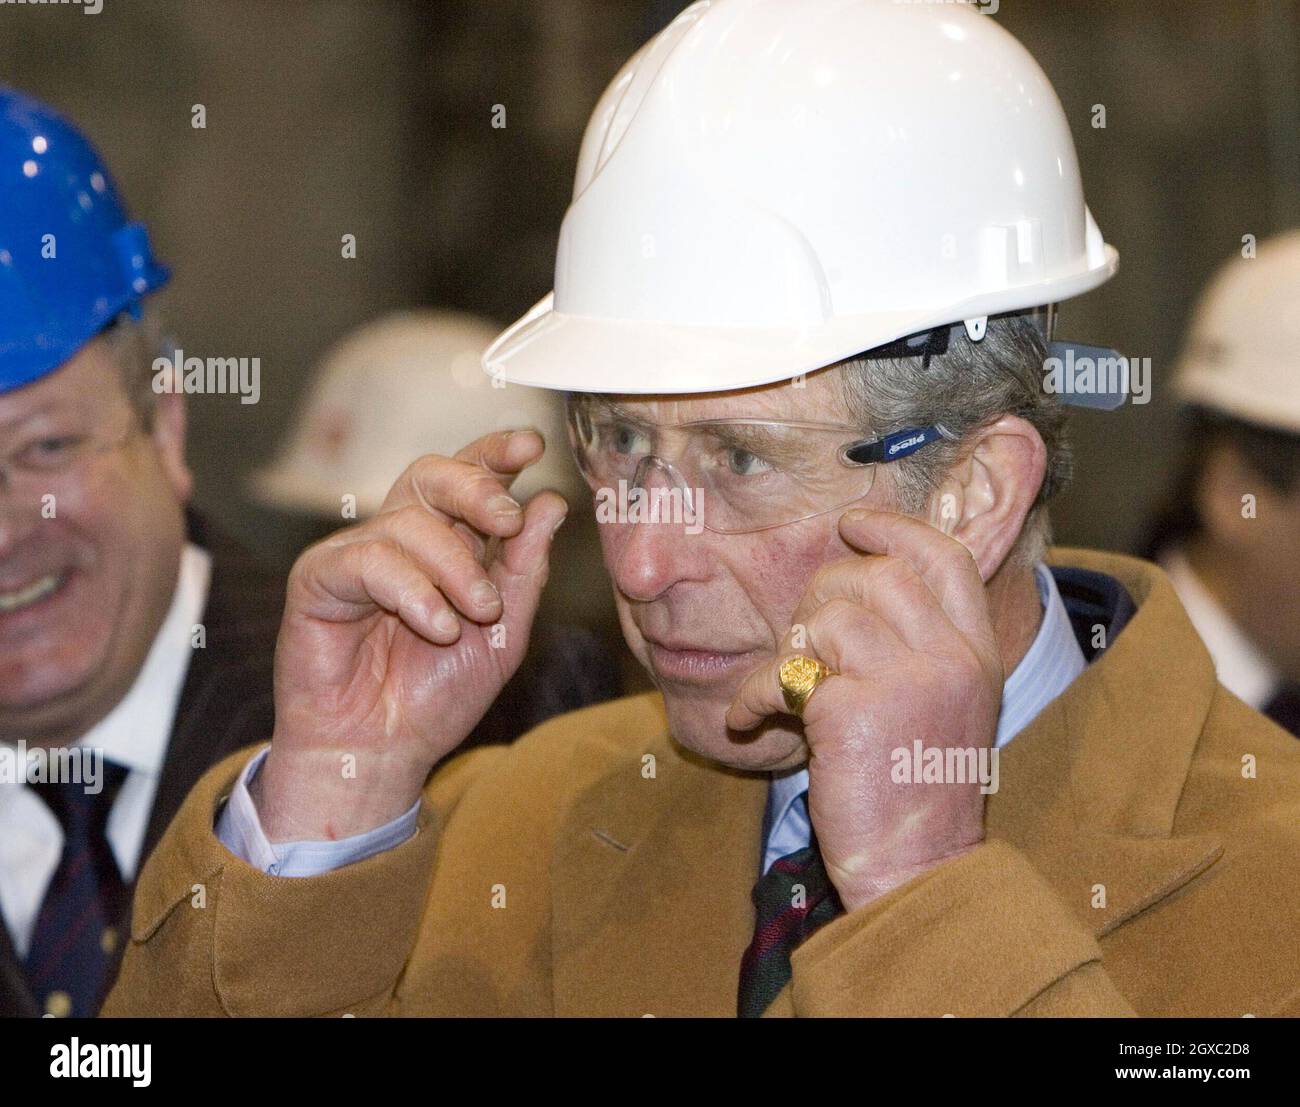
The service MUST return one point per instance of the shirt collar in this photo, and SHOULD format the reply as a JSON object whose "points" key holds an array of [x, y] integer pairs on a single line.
{"points": [[1049, 666], [1240, 665], [136, 732]]}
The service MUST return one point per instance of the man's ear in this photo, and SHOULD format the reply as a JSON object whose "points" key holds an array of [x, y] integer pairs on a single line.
{"points": [[168, 435], [987, 495]]}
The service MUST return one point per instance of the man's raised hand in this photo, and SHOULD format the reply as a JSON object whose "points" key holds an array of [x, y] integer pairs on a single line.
{"points": [[397, 636]]}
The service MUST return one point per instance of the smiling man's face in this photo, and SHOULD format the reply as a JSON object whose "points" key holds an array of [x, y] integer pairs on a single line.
{"points": [[701, 610], [89, 554]]}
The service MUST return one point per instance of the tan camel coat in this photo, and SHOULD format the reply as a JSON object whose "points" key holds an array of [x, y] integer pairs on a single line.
{"points": [[1142, 857]]}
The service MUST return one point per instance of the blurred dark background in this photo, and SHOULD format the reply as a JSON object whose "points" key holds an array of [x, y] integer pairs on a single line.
{"points": [[330, 117]]}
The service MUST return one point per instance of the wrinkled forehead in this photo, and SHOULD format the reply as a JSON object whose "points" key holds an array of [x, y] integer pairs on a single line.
{"points": [[817, 398]]}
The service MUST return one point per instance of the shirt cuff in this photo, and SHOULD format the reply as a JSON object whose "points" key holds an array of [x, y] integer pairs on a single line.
{"points": [[240, 831]]}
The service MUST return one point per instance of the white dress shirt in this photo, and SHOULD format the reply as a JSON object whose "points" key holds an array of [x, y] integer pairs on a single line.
{"points": [[1242, 669], [134, 734], [1052, 662]]}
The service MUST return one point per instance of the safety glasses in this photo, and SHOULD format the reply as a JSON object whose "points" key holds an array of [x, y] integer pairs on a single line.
{"points": [[731, 476]]}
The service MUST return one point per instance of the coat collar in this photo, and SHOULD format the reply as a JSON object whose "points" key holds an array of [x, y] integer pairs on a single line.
{"points": [[651, 878], [1090, 789]]}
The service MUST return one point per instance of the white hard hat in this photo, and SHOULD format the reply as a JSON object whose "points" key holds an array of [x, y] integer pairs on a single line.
{"points": [[401, 386], [1243, 351], [768, 187]]}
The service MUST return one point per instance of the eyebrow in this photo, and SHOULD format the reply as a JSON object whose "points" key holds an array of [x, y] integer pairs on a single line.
{"points": [[51, 408], [746, 435], [608, 407]]}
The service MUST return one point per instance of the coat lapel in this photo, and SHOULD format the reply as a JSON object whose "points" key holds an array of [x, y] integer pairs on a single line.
{"points": [[651, 882], [1106, 873], [1089, 790]]}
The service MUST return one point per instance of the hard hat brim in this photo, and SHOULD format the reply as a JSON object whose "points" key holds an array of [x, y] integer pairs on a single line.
{"points": [[547, 348], [1239, 396]]}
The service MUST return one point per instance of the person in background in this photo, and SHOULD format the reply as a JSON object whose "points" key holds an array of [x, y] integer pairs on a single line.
{"points": [[130, 632], [410, 383], [1229, 533]]}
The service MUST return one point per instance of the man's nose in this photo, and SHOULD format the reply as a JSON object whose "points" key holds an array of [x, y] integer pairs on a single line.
{"points": [[658, 545]]}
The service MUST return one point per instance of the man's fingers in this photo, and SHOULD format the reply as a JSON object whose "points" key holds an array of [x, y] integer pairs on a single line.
{"points": [[523, 554], [758, 696], [849, 638], [521, 564], [453, 559], [943, 563], [888, 586], [455, 490], [435, 517], [841, 634], [921, 587], [354, 578], [504, 453], [445, 560], [472, 486]]}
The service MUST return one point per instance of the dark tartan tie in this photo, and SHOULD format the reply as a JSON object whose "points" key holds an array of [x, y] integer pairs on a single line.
{"points": [[783, 919], [73, 942]]}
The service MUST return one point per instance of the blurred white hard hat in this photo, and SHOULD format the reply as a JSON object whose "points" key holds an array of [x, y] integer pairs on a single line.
{"points": [[767, 187], [1242, 355], [398, 387]]}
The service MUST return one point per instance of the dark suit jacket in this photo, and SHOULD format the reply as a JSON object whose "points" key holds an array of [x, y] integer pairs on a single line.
{"points": [[226, 701]]}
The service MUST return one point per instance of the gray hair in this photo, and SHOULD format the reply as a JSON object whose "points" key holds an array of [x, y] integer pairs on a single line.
{"points": [[967, 388], [134, 344]]}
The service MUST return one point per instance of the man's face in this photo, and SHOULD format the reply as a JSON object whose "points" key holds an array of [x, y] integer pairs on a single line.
{"points": [[1266, 551], [88, 553], [701, 610]]}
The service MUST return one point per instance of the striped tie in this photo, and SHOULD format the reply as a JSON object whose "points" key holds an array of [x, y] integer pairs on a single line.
{"points": [[791, 900], [73, 942]]}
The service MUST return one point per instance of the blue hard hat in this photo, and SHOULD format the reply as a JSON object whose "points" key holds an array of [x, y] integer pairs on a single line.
{"points": [[70, 261]]}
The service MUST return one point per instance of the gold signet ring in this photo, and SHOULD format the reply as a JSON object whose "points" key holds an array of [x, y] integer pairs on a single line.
{"points": [[799, 676]]}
